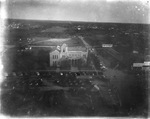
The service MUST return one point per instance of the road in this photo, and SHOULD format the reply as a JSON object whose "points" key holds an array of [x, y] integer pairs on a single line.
{"points": [[85, 43], [101, 59], [109, 73], [88, 47]]}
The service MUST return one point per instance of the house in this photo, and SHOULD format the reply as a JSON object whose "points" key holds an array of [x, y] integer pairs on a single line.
{"points": [[64, 52]]}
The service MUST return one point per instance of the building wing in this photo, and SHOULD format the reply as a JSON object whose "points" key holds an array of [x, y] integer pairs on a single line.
{"points": [[83, 49]]}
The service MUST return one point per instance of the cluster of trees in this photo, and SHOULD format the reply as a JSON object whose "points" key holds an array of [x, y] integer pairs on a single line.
{"points": [[26, 60]]}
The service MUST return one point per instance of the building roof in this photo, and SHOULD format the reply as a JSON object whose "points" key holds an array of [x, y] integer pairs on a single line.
{"points": [[83, 49], [54, 48]]}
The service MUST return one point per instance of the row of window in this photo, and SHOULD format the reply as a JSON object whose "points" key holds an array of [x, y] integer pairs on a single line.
{"points": [[55, 63], [84, 55], [70, 55], [74, 55], [55, 56]]}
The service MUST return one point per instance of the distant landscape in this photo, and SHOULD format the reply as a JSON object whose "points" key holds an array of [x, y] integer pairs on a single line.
{"points": [[108, 81]]}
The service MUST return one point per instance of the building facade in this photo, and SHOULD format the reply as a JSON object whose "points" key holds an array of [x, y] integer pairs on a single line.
{"points": [[71, 54]]}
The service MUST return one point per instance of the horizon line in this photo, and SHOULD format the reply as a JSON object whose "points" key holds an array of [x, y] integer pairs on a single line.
{"points": [[73, 21]]}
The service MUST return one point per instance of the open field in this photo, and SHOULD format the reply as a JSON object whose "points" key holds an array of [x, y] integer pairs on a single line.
{"points": [[70, 41]]}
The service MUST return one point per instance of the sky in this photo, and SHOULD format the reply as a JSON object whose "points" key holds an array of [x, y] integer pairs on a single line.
{"points": [[118, 11]]}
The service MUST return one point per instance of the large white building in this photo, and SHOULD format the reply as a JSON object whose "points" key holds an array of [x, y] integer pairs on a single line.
{"points": [[73, 54]]}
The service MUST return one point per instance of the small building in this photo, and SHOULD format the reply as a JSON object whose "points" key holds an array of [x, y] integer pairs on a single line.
{"points": [[64, 52]]}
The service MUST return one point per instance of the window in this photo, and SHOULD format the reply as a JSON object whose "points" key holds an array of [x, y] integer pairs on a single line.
{"points": [[54, 63], [54, 56]]}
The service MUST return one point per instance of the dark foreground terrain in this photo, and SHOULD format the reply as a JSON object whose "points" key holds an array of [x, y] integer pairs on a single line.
{"points": [[62, 94]]}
